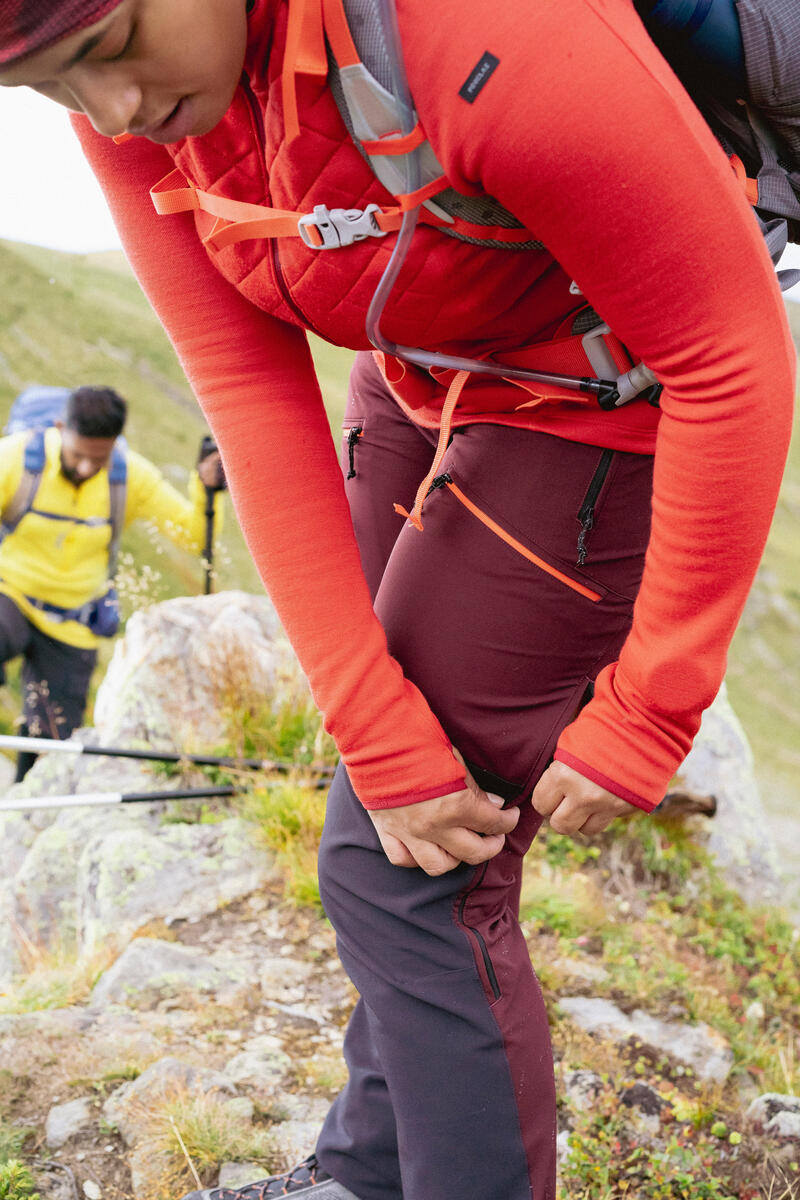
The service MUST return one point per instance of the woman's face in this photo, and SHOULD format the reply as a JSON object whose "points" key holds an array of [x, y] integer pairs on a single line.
{"points": [[160, 69]]}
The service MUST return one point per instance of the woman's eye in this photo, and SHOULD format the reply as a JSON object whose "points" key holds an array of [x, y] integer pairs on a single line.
{"points": [[125, 48]]}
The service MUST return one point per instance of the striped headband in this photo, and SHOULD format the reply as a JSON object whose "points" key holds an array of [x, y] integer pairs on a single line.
{"points": [[27, 26]]}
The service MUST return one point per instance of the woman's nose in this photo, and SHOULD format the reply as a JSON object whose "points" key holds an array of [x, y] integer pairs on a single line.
{"points": [[110, 102]]}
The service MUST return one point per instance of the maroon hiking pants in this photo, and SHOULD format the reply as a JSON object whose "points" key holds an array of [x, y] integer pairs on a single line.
{"points": [[502, 611]]}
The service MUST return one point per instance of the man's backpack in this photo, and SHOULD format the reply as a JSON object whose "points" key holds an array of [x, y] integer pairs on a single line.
{"points": [[737, 60], [36, 409]]}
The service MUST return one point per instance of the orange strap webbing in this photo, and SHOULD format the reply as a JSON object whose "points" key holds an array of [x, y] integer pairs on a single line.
{"points": [[749, 186], [238, 220], [564, 355]]}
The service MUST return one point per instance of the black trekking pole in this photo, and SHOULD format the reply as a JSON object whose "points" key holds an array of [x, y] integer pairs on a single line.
{"points": [[209, 446], [72, 746], [208, 549], [82, 800]]}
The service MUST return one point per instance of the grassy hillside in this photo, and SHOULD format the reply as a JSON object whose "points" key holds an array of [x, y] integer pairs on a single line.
{"points": [[764, 664], [71, 319]]}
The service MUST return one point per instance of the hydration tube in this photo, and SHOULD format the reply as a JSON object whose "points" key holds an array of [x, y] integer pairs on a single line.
{"points": [[610, 393]]}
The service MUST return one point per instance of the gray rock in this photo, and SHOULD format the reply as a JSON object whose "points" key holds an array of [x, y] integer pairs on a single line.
{"points": [[180, 872], [242, 1108], [784, 1125], [129, 1108], [181, 660], [284, 979], [563, 1148], [239, 1174], [293, 1141], [698, 1047], [151, 970], [259, 1070], [148, 1171], [644, 1106], [65, 1120], [771, 1106], [581, 1089], [738, 839], [580, 971]]}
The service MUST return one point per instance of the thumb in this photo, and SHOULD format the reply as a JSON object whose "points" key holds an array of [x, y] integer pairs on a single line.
{"points": [[497, 801]]}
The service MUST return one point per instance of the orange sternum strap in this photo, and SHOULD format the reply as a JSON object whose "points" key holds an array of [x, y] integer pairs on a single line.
{"points": [[321, 229]]}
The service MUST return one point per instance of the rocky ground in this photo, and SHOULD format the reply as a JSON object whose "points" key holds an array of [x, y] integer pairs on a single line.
{"points": [[247, 1003], [194, 1028]]}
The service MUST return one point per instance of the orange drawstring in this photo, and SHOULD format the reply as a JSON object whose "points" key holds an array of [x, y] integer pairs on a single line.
{"points": [[448, 408]]}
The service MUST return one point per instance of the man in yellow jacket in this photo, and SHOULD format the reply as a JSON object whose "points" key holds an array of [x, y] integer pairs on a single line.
{"points": [[61, 525]]}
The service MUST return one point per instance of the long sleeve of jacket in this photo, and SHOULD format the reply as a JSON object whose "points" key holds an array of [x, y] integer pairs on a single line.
{"points": [[150, 497], [583, 132], [255, 380]]}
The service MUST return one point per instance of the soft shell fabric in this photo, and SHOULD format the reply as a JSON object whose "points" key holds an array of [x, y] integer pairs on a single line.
{"points": [[594, 146]]}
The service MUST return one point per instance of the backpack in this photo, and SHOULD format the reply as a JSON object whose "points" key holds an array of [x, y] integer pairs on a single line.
{"points": [[731, 51], [36, 409], [356, 45]]}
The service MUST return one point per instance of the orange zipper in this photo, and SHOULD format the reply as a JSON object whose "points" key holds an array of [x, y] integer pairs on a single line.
{"points": [[518, 546]]}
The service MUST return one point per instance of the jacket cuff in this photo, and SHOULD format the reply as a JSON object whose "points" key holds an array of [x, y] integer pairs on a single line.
{"points": [[611, 785], [406, 798]]}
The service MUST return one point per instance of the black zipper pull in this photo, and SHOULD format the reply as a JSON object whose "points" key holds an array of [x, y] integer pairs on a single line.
{"points": [[587, 522], [586, 512], [439, 482], [352, 439]]}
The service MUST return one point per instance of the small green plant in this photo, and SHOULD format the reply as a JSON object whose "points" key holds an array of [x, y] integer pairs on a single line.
{"points": [[56, 978], [16, 1181], [290, 820], [12, 1139], [191, 1135]]}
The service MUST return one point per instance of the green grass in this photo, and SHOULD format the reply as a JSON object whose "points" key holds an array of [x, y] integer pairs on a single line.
{"points": [[16, 1181], [72, 319]]}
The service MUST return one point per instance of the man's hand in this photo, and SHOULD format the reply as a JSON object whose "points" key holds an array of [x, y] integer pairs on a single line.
{"points": [[210, 471], [573, 803], [437, 835]]}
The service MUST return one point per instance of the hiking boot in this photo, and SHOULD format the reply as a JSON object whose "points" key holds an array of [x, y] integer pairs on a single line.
{"points": [[308, 1180]]}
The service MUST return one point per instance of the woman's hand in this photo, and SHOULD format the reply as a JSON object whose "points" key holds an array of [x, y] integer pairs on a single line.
{"points": [[573, 803], [437, 835]]}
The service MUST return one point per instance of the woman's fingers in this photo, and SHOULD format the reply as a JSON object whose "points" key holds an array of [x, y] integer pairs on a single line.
{"points": [[574, 804], [438, 834]]}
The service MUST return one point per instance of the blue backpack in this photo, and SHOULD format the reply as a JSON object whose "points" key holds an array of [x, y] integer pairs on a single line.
{"points": [[37, 409]]}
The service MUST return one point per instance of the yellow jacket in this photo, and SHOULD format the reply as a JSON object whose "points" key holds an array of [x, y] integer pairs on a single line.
{"points": [[66, 564]]}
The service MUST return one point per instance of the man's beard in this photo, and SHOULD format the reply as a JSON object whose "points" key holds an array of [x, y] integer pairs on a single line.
{"points": [[71, 476]]}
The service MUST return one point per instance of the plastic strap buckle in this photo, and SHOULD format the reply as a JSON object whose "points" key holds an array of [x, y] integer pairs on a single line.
{"points": [[337, 227], [622, 388]]}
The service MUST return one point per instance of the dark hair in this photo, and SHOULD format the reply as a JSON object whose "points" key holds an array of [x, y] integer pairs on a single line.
{"points": [[96, 412]]}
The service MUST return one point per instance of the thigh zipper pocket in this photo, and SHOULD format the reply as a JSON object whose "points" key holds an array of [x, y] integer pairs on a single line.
{"points": [[354, 429], [586, 511], [446, 481]]}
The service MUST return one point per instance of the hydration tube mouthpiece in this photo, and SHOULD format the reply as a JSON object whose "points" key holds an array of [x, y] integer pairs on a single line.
{"points": [[698, 38]]}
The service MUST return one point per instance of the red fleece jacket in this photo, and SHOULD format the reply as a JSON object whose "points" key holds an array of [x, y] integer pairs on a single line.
{"points": [[585, 135]]}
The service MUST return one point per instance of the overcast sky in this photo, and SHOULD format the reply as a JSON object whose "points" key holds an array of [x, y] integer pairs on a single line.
{"points": [[49, 196]]}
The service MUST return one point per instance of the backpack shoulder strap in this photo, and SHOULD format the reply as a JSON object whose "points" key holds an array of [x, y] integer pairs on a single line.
{"points": [[22, 500], [361, 79]]}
